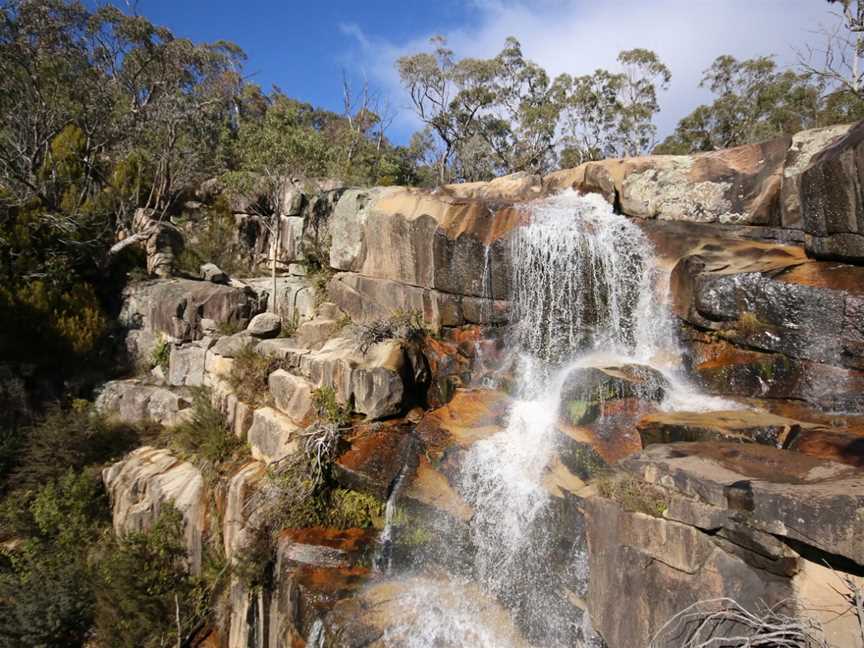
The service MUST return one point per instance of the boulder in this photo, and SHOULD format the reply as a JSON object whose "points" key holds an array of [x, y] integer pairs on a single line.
{"points": [[713, 520], [831, 201], [367, 299], [144, 482], [732, 186], [186, 364], [376, 457], [295, 296], [586, 390], [393, 613], [213, 273], [265, 325], [314, 333], [805, 146], [725, 369], [425, 239], [378, 383], [292, 395], [272, 436], [807, 310], [134, 401], [286, 349], [177, 308]]}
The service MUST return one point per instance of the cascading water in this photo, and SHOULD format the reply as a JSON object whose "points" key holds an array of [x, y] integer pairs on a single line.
{"points": [[583, 294]]}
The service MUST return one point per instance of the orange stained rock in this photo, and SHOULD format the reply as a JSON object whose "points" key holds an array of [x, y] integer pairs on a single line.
{"points": [[431, 488]]}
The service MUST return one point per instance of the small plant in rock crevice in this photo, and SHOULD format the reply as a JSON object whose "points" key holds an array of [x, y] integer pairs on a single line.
{"points": [[632, 494], [205, 438], [249, 374], [161, 354], [402, 325], [329, 409]]}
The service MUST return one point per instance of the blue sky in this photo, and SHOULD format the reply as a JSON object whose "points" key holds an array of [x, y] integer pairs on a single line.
{"points": [[302, 45]]}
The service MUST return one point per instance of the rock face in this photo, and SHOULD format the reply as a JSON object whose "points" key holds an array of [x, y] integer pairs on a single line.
{"points": [[133, 401], [176, 308], [436, 243], [719, 509], [644, 511], [272, 435], [831, 200], [732, 186], [148, 479], [377, 383]]}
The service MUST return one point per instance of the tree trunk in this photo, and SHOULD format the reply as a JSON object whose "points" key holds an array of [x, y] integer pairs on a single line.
{"points": [[277, 231]]}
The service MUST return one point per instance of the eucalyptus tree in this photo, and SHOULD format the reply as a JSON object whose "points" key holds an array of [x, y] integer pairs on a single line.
{"points": [[611, 114], [754, 101]]}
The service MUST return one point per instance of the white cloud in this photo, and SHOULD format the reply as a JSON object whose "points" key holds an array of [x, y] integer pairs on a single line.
{"points": [[579, 36]]}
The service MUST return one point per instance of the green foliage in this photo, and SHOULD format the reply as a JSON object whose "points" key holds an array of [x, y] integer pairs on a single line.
{"points": [[249, 373], [73, 438], [211, 238], [145, 585], [206, 435], [328, 408], [757, 101], [46, 587], [503, 115], [161, 355]]}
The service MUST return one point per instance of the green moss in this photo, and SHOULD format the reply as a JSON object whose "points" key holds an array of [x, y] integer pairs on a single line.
{"points": [[350, 509]]}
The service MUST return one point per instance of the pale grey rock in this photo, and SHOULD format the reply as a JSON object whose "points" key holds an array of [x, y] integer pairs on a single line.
{"points": [[293, 395], [273, 436], [265, 325], [144, 482], [133, 401], [214, 274]]}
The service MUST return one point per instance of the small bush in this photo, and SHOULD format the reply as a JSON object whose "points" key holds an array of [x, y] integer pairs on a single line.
{"points": [[328, 408], [289, 326], [76, 438], [403, 325], [206, 435], [320, 279], [145, 585], [161, 355], [249, 374]]}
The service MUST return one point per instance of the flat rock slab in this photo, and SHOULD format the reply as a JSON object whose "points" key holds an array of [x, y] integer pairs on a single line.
{"points": [[744, 426], [809, 500]]}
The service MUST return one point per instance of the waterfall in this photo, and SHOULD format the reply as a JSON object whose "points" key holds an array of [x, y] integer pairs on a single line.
{"points": [[383, 560], [584, 293], [583, 280]]}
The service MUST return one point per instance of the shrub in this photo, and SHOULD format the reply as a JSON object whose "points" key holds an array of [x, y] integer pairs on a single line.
{"points": [[249, 374], [146, 590], [161, 355], [328, 408], [76, 437], [402, 325], [46, 586], [206, 435]]}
